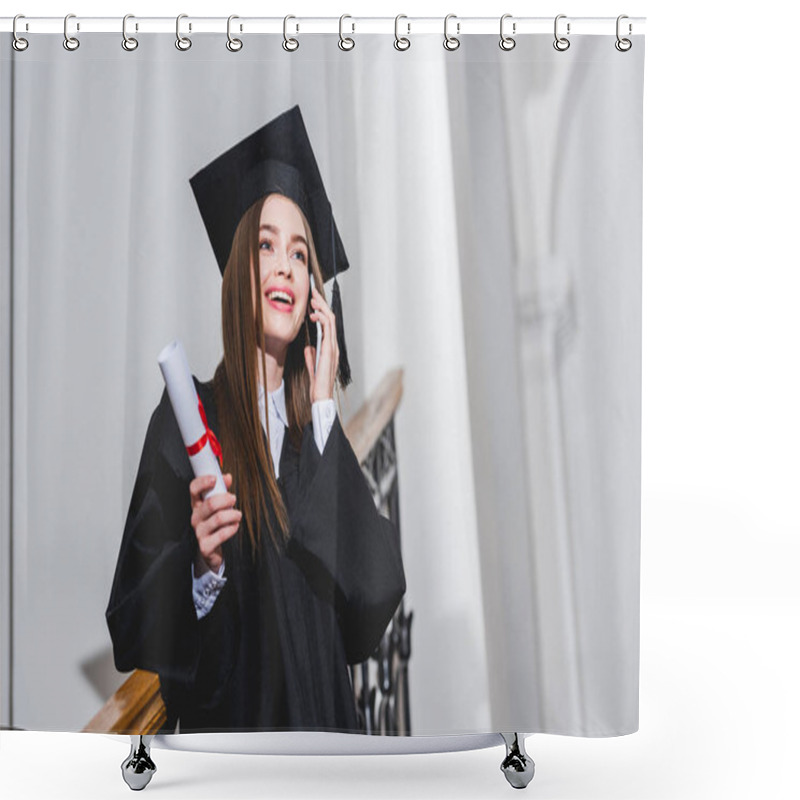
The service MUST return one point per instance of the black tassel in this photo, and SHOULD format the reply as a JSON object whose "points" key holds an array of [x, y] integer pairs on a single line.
{"points": [[344, 365]]}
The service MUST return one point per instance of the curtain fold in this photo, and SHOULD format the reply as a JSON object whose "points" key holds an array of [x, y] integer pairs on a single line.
{"points": [[558, 190]]}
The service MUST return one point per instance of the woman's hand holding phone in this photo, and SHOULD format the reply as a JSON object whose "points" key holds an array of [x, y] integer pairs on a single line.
{"points": [[214, 519]]}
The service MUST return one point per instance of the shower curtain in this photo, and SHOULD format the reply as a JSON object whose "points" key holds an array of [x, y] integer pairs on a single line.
{"points": [[489, 203]]}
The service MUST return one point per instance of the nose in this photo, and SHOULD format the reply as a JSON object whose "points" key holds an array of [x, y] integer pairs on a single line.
{"points": [[283, 266]]}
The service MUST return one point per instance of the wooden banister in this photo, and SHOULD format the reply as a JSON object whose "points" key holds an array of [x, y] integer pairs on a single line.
{"points": [[367, 424], [137, 706]]}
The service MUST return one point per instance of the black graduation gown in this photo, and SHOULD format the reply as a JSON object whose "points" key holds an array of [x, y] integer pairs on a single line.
{"points": [[272, 653]]}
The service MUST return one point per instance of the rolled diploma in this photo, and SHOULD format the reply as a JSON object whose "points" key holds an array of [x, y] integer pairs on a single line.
{"points": [[183, 396]]}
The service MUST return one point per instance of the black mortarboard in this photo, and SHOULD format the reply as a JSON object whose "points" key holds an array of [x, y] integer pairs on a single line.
{"points": [[276, 158]]}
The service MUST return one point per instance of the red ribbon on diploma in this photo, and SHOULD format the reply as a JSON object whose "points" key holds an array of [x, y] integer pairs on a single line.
{"points": [[208, 436]]}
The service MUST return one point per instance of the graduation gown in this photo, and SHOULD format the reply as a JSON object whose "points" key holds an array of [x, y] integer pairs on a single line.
{"points": [[272, 653]]}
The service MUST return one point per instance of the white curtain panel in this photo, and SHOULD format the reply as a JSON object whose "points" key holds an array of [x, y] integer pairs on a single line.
{"points": [[490, 204]]}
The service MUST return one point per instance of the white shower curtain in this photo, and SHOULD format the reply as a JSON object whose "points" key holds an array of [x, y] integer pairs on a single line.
{"points": [[491, 203]]}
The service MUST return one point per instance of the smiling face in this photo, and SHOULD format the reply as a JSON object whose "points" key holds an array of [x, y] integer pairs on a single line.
{"points": [[283, 254]]}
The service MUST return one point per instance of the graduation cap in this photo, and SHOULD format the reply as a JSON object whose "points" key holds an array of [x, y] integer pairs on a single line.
{"points": [[277, 158]]}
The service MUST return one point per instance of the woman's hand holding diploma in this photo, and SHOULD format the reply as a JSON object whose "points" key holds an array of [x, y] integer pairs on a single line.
{"points": [[322, 377], [214, 519]]}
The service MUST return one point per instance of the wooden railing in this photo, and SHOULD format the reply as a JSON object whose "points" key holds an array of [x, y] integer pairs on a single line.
{"points": [[137, 706]]}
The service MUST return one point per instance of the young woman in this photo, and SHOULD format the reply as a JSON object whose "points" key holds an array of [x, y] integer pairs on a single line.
{"points": [[250, 604]]}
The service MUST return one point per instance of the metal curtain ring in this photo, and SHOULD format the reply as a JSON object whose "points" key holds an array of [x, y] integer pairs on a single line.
{"points": [[345, 42], [623, 45], [401, 42], [289, 44], [507, 42], [19, 43], [561, 43], [128, 42], [451, 42], [70, 42], [233, 44], [182, 42]]}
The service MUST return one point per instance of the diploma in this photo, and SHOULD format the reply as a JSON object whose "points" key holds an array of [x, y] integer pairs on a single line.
{"points": [[200, 442]]}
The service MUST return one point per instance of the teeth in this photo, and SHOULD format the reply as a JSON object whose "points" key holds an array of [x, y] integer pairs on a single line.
{"points": [[277, 295]]}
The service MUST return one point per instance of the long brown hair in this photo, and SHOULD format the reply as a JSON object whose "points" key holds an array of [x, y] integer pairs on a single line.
{"points": [[247, 453]]}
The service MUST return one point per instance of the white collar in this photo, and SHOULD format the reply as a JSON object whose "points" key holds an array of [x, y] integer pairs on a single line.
{"points": [[277, 402]]}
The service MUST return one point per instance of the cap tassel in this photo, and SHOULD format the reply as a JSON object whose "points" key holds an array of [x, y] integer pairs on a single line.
{"points": [[344, 365]]}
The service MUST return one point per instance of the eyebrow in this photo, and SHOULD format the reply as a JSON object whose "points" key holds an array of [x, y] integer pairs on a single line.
{"points": [[272, 229]]}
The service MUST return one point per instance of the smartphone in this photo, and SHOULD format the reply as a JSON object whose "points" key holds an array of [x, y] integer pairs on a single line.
{"points": [[316, 340]]}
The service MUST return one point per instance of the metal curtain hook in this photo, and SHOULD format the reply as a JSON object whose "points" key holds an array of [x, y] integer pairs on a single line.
{"points": [[233, 44], [345, 42], [289, 44], [401, 42], [70, 42], [19, 43], [507, 42], [451, 42], [561, 43], [623, 45], [182, 42], [128, 42]]}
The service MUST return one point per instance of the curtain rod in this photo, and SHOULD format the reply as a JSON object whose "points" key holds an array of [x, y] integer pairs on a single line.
{"points": [[460, 26]]}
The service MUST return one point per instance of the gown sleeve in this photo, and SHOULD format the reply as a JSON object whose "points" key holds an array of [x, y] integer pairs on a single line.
{"points": [[151, 615], [347, 549]]}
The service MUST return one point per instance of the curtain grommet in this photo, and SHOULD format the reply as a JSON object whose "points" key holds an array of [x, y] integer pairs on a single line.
{"points": [[289, 43], [19, 44], [233, 44], [401, 43], [71, 43], [183, 43], [561, 43], [451, 42], [507, 42], [346, 43], [129, 43]]}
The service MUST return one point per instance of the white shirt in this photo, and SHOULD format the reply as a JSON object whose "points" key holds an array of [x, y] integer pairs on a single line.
{"points": [[207, 587]]}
